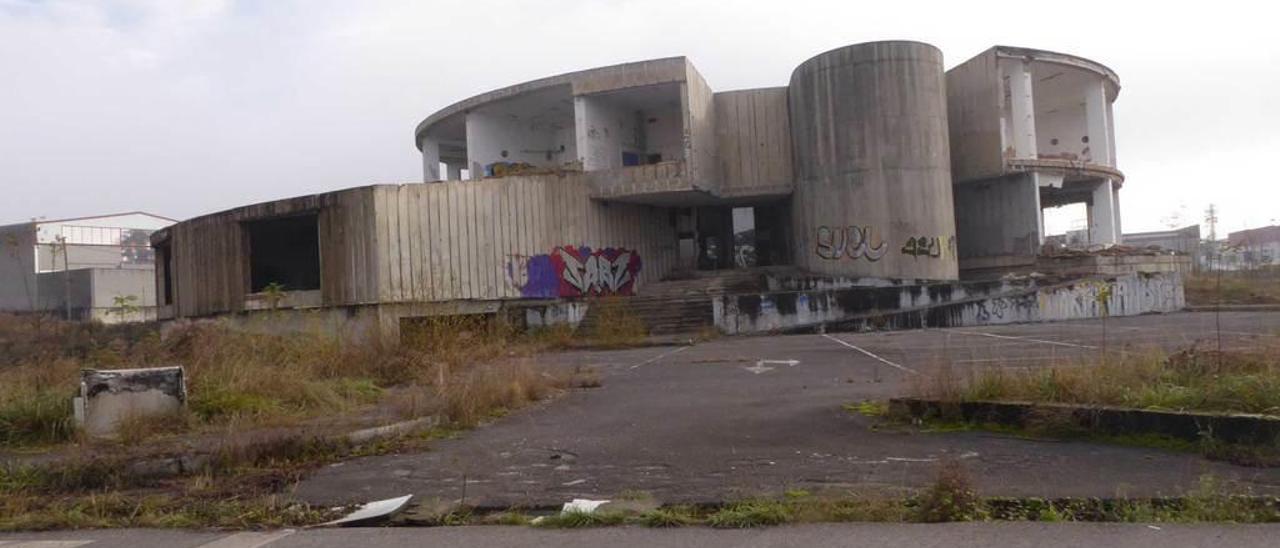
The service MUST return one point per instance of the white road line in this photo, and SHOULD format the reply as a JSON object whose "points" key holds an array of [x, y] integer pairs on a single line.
{"points": [[882, 360], [660, 356], [44, 543], [249, 540], [1028, 339], [1205, 332], [1024, 359]]}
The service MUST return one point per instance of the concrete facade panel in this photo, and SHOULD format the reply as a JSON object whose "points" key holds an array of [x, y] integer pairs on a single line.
{"points": [[998, 218], [974, 99], [700, 131], [753, 142]]}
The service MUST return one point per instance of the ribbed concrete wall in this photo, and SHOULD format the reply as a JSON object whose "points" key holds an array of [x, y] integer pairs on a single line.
{"points": [[462, 240], [210, 253], [497, 238], [872, 162]]}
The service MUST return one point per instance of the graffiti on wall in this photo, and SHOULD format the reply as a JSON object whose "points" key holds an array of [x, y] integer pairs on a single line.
{"points": [[929, 246], [852, 242], [575, 271]]}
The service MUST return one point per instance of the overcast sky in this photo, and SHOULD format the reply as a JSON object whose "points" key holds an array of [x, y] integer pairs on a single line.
{"points": [[184, 107]]}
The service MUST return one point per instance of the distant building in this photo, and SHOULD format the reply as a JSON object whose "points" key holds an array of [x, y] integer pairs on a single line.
{"points": [[1182, 240], [104, 266], [1257, 247]]}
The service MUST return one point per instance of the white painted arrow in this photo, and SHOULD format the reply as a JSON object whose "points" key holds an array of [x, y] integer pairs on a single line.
{"points": [[758, 368], [791, 363]]}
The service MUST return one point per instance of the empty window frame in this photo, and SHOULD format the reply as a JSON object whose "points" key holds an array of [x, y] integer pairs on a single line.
{"points": [[284, 253]]}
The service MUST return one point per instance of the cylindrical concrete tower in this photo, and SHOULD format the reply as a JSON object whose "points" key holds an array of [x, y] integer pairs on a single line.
{"points": [[872, 162]]}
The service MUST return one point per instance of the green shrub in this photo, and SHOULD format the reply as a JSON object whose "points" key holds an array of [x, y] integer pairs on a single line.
{"points": [[41, 417], [750, 514], [950, 498]]}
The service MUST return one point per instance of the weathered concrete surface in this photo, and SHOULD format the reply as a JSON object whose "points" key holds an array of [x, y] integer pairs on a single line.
{"points": [[110, 396], [715, 422], [949, 305], [872, 163], [1000, 217], [753, 142]]}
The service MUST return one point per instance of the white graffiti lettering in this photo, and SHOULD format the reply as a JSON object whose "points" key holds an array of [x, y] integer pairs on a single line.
{"points": [[597, 273], [854, 242]]}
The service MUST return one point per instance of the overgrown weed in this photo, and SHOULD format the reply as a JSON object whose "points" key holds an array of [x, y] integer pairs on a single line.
{"points": [[1244, 381]]}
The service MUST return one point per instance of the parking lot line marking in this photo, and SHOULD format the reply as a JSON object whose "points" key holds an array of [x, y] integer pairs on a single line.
{"points": [[44, 543], [1207, 332], [1028, 339], [248, 540], [1020, 359], [872, 355], [660, 356]]}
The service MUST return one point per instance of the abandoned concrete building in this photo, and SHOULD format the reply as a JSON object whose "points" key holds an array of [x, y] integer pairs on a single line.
{"points": [[873, 181]]}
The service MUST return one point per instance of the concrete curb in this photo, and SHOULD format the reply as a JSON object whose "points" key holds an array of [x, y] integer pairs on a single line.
{"points": [[1234, 308], [1232, 428], [167, 467]]}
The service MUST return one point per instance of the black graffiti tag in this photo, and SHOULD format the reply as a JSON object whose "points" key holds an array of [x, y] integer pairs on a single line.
{"points": [[929, 246]]}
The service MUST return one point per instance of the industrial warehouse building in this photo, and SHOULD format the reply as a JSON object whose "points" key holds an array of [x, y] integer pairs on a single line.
{"points": [[873, 168], [99, 268]]}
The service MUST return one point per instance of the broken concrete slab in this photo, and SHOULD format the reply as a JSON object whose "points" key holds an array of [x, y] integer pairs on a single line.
{"points": [[110, 396]]}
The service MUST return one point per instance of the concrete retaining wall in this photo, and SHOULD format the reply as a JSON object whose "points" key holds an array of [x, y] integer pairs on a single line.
{"points": [[1187, 426], [366, 322], [949, 305]]}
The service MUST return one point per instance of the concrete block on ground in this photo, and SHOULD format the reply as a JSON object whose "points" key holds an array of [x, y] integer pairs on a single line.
{"points": [[109, 396]]}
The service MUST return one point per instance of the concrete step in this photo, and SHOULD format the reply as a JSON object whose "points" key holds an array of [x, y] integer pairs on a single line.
{"points": [[663, 316]]}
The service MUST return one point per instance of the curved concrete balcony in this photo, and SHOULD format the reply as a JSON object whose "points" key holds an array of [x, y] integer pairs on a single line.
{"points": [[1071, 170]]}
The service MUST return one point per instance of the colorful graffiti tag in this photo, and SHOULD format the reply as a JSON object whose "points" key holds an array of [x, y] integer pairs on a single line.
{"points": [[575, 271], [853, 242]]}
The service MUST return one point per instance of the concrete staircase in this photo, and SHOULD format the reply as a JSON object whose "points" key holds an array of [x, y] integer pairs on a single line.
{"points": [[683, 306]]}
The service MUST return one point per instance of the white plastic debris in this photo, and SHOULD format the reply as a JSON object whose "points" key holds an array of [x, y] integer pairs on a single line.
{"points": [[370, 511], [585, 506]]}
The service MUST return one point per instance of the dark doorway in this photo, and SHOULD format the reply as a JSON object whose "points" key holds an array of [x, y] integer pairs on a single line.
{"points": [[743, 237], [772, 234], [284, 252], [164, 262], [715, 238]]}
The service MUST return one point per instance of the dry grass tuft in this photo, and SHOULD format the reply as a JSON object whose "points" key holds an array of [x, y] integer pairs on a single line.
{"points": [[616, 326], [950, 498], [470, 367], [1191, 379], [1262, 287]]}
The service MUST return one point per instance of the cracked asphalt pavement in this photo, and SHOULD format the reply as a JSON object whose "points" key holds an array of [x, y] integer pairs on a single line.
{"points": [[746, 416]]}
